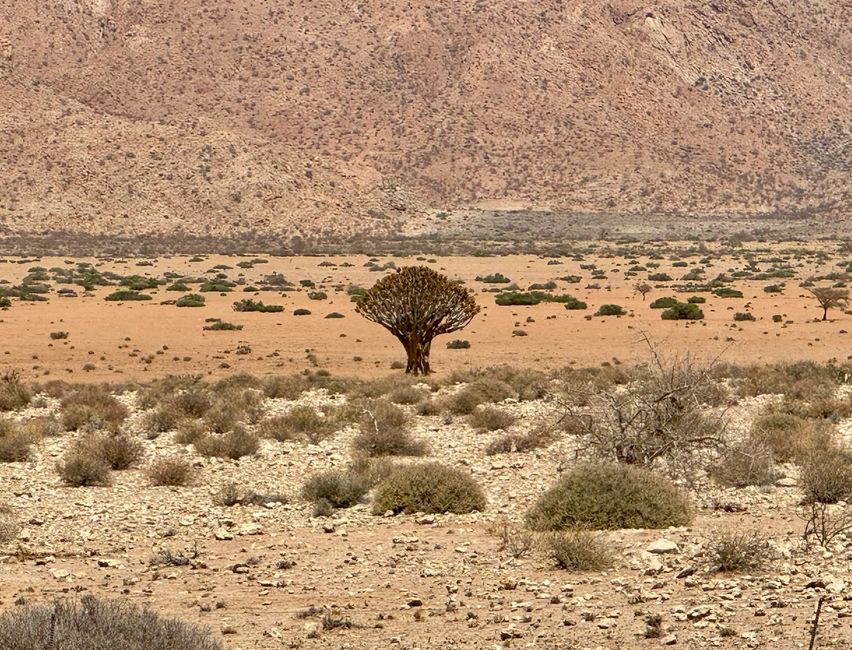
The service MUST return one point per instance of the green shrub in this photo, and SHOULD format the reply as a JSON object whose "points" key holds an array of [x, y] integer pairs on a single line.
{"points": [[5, 303], [222, 326], [683, 311], [743, 316], [97, 624], [247, 304], [317, 295], [696, 300], [777, 318], [458, 344], [494, 278], [190, 300], [660, 277], [126, 296], [577, 549], [573, 303], [335, 314], [178, 286], [727, 292], [664, 303], [610, 496], [216, 286], [429, 488], [59, 336], [610, 310], [301, 312]]}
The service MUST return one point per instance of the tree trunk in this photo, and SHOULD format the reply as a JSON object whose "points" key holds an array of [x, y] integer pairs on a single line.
{"points": [[418, 357], [825, 313]]}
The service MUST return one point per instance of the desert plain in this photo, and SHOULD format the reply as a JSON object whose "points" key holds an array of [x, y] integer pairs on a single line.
{"points": [[237, 544]]}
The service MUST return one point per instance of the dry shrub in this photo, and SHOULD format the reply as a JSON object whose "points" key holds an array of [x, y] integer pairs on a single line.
{"points": [[232, 495], [98, 624], [743, 551], [525, 384], [117, 451], [489, 418], [482, 391], [429, 488], [802, 380], [234, 444], [406, 395], [336, 488], [377, 388], [745, 463], [536, 438], [165, 389], [428, 407], [14, 394], [516, 540], [221, 417], [188, 431], [9, 527], [384, 431], [41, 427], [826, 476], [190, 403], [14, 443], [610, 496], [83, 470], [300, 422], [662, 415], [829, 408], [577, 549], [789, 436], [92, 407], [288, 387], [170, 470]]}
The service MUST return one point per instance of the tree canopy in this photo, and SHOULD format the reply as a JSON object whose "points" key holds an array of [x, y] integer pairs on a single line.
{"points": [[416, 304]]}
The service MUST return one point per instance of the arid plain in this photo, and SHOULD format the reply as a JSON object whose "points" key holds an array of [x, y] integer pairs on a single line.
{"points": [[115, 341], [216, 435]]}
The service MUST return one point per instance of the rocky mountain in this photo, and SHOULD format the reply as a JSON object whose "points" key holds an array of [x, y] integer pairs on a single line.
{"points": [[346, 117]]}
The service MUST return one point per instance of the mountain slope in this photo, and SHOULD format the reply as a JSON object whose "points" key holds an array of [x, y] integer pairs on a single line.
{"points": [[254, 114]]}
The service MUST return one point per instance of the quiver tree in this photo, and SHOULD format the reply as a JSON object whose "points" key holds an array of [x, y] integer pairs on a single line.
{"points": [[416, 304], [829, 297]]}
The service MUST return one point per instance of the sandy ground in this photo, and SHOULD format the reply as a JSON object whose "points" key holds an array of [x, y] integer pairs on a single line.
{"points": [[139, 340]]}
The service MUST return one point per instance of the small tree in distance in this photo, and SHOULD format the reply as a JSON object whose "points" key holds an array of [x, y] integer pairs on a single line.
{"points": [[829, 297], [643, 288], [416, 304]]}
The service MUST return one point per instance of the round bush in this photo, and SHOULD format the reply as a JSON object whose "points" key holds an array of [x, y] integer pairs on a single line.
{"points": [[95, 624], [610, 310], [683, 311], [608, 497], [431, 488]]}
